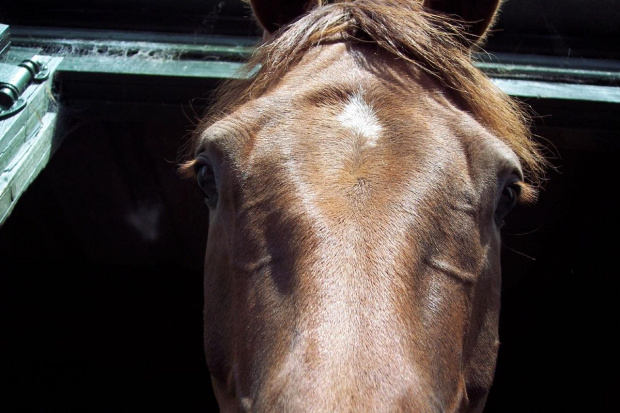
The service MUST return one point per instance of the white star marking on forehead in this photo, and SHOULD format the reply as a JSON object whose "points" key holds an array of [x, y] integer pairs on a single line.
{"points": [[359, 117]]}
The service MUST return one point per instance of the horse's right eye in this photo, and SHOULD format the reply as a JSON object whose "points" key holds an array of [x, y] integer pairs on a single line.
{"points": [[206, 181], [507, 201]]}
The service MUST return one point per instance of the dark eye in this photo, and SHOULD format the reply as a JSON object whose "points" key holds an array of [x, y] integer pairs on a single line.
{"points": [[206, 181], [507, 201]]}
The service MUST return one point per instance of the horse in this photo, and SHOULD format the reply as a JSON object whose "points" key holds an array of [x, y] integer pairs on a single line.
{"points": [[357, 178]]}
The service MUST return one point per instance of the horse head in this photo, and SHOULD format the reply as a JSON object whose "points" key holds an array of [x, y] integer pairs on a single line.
{"points": [[357, 179]]}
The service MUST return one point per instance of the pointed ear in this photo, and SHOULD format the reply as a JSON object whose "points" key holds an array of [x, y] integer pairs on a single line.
{"points": [[273, 14], [478, 15]]}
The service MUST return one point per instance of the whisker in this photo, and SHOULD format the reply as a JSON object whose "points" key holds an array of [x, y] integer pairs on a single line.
{"points": [[520, 234], [518, 252]]}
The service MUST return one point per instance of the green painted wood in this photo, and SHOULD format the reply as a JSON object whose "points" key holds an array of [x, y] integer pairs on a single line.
{"points": [[559, 91], [126, 44], [26, 139], [26, 165], [24, 124], [146, 66], [513, 79], [5, 38], [550, 68], [550, 73]]}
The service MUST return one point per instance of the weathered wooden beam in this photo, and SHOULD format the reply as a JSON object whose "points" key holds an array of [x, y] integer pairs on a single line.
{"points": [[26, 139], [513, 79], [167, 46], [550, 68], [31, 158], [555, 90], [5, 38]]}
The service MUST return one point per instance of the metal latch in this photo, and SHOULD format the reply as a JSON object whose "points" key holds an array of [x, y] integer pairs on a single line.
{"points": [[14, 80]]}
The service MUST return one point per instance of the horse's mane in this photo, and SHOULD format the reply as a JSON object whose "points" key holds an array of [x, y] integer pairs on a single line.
{"points": [[428, 41]]}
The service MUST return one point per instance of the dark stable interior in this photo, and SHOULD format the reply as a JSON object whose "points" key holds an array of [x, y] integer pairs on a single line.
{"points": [[101, 281]]}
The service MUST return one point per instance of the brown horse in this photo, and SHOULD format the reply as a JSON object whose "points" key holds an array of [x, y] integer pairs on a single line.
{"points": [[357, 179]]}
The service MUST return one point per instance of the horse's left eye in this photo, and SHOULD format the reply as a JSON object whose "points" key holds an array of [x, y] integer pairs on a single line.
{"points": [[507, 201], [206, 181]]}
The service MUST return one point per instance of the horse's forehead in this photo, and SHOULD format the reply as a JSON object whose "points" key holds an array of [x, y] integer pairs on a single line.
{"points": [[331, 87], [332, 94]]}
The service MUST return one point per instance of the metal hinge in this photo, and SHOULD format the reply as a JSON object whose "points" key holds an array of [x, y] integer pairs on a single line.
{"points": [[14, 80]]}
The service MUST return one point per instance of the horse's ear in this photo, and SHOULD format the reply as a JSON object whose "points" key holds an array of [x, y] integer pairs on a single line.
{"points": [[273, 14], [478, 15]]}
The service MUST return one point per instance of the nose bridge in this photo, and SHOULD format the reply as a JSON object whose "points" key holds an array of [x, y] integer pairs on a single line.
{"points": [[351, 326], [353, 289], [354, 337], [346, 370], [359, 329], [348, 395], [367, 377]]}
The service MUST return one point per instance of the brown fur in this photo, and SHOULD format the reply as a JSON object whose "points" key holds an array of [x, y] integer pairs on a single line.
{"points": [[353, 254], [428, 41]]}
